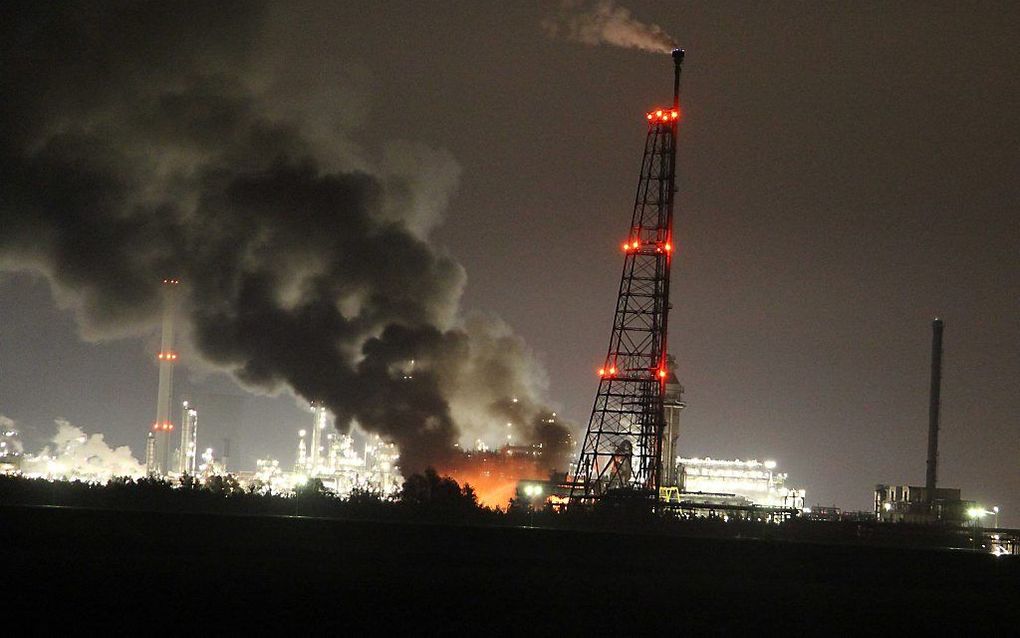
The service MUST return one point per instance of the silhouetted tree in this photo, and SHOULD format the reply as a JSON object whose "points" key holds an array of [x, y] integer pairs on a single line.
{"points": [[438, 494]]}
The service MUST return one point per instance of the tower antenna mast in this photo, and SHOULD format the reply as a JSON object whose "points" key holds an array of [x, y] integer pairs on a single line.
{"points": [[621, 456]]}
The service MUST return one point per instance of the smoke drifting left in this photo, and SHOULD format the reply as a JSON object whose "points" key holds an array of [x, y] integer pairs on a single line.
{"points": [[604, 22], [135, 146]]}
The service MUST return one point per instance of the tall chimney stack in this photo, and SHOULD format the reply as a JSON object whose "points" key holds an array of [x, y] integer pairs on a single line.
{"points": [[933, 409], [678, 61]]}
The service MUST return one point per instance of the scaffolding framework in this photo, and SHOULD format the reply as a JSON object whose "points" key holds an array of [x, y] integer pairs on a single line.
{"points": [[622, 450]]}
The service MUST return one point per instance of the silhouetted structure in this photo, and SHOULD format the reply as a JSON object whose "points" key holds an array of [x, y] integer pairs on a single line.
{"points": [[933, 411], [622, 450], [157, 447]]}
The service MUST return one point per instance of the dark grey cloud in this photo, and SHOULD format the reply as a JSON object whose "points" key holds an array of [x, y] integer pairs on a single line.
{"points": [[137, 145]]}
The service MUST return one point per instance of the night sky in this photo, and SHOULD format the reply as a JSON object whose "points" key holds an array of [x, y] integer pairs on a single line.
{"points": [[846, 174]]}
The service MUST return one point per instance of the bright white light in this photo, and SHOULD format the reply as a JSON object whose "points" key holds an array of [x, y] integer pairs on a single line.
{"points": [[301, 432], [770, 465]]}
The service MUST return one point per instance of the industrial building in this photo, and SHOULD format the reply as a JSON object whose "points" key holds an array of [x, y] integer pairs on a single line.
{"points": [[331, 458], [752, 482], [911, 504], [187, 453], [930, 503], [672, 404], [11, 452]]}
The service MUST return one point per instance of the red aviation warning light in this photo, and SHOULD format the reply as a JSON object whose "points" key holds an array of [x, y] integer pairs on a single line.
{"points": [[608, 372], [659, 116]]}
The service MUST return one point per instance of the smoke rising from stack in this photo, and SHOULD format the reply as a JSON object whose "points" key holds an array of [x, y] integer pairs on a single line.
{"points": [[606, 23], [143, 141]]}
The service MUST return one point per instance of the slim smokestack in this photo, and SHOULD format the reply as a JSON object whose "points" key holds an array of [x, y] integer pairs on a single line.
{"points": [[933, 409], [678, 62], [159, 463]]}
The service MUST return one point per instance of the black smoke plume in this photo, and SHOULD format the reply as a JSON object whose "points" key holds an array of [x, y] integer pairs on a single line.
{"points": [[138, 141]]}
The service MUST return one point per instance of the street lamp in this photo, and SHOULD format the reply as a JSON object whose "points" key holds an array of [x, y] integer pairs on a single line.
{"points": [[975, 514]]}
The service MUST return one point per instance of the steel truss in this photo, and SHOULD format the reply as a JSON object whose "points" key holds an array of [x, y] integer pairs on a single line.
{"points": [[621, 454]]}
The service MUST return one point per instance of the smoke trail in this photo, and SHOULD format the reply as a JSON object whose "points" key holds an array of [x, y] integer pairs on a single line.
{"points": [[140, 141], [606, 23]]}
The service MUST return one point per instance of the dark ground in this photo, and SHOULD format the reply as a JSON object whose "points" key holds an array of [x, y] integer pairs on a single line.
{"points": [[117, 572]]}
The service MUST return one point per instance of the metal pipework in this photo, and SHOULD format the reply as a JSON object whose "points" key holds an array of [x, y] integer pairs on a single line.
{"points": [[933, 409]]}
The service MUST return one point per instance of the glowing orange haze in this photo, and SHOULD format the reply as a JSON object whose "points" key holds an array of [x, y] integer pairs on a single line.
{"points": [[494, 476], [492, 491]]}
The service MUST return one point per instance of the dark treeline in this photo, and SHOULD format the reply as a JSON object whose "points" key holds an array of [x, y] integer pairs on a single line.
{"points": [[430, 497], [423, 496]]}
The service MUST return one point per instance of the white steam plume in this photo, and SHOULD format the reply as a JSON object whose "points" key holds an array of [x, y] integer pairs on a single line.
{"points": [[606, 23], [73, 454]]}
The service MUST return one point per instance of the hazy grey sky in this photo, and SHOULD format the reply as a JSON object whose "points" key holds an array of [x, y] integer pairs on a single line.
{"points": [[846, 174]]}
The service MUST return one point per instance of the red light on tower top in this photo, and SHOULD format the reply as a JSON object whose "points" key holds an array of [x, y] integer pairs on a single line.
{"points": [[660, 116]]}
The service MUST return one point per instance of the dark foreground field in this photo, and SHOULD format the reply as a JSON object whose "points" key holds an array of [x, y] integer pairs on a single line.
{"points": [[131, 572]]}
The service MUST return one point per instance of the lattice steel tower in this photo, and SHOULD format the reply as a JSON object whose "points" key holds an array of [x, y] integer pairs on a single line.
{"points": [[622, 451]]}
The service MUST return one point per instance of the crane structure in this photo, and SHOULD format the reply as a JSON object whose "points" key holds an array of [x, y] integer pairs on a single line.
{"points": [[621, 456]]}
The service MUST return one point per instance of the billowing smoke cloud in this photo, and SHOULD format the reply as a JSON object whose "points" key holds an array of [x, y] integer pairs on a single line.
{"points": [[139, 141], [606, 23], [72, 453]]}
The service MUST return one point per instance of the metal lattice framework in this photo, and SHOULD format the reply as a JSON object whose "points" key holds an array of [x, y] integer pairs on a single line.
{"points": [[622, 449]]}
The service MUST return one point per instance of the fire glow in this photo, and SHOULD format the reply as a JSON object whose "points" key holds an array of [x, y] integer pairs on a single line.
{"points": [[494, 476]]}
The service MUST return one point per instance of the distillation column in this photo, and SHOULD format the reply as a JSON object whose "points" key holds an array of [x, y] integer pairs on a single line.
{"points": [[318, 430], [189, 440], [673, 404]]}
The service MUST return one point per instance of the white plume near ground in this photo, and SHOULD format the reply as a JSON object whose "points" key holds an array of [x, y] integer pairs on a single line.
{"points": [[73, 454], [606, 23]]}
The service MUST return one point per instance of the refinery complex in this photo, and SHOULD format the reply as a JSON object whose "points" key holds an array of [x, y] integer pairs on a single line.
{"points": [[631, 451]]}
